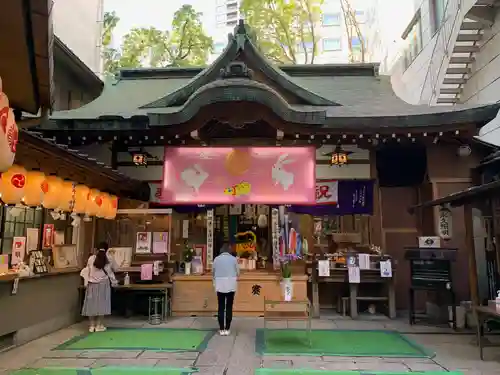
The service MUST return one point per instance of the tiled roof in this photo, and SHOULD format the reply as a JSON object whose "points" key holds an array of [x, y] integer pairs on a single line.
{"points": [[353, 96]]}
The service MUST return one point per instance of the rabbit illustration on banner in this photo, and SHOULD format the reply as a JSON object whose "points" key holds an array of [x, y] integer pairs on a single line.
{"points": [[280, 176], [194, 177]]}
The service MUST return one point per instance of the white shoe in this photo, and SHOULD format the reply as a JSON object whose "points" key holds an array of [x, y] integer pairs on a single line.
{"points": [[222, 333], [91, 329], [100, 329], [228, 332]]}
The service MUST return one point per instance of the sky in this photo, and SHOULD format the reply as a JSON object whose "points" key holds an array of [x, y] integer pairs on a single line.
{"points": [[156, 13]]}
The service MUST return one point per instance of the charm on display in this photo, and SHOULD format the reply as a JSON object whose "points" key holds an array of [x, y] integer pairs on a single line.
{"points": [[339, 157], [210, 238]]}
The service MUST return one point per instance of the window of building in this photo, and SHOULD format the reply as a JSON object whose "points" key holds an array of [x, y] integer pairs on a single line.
{"points": [[307, 45], [221, 18], [413, 39], [360, 16], [16, 221], [331, 44], [355, 42], [219, 47], [331, 19], [437, 12]]}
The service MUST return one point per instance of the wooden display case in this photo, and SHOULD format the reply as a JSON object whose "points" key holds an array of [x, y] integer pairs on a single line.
{"points": [[194, 295]]}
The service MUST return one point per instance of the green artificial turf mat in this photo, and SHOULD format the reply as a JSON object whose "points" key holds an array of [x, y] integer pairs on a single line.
{"points": [[161, 339], [266, 371], [46, 371], [347, 343]]}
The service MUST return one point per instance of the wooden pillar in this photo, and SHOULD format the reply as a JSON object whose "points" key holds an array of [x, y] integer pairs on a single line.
{"points": [[315, 289], [376, 222], [471, 251]]}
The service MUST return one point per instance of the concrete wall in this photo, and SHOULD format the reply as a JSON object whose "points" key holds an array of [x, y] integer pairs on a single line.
{"points": [[416, 83], [71, 90], [41, 305], [78, 23]]}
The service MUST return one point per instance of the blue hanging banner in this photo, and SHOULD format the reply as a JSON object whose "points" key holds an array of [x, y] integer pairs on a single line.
{"points": [[355, 197]]}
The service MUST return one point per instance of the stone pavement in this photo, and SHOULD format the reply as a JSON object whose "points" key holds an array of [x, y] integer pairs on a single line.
{"points": [[235, 355]]}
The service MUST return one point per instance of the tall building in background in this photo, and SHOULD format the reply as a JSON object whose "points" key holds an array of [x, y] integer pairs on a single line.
{"points": [[78, 24], [450, 56], [379, 28], [227, 13]]}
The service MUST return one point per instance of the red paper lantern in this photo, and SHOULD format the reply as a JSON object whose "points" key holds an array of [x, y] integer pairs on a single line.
{"points": [[52, 188], [94, 202], [112, 207], [13, 184], [66, 196], [34, 193], [81, 199]]}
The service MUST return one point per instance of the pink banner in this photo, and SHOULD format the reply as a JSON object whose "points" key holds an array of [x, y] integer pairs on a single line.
{"points": [[218, 175]]}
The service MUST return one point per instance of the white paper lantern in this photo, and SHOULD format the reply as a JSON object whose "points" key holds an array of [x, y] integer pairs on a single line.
{"points": [[8, 132]]}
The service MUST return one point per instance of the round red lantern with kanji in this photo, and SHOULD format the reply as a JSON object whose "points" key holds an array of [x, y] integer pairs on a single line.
{"points": [[13, 184]]}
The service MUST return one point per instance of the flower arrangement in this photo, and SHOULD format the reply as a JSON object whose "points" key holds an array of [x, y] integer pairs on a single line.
{"points": [[285, 265]]}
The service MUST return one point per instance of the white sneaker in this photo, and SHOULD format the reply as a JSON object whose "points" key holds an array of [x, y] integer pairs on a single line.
{"points": [[91, 329], [222, 333], [100, 329], [228, 332]]}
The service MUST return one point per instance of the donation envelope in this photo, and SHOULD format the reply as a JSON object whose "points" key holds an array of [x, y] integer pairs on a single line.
{"points": [[385, 268], [324, 268]]}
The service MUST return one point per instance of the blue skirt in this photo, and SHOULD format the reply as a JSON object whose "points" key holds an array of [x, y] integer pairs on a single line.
{"points": [[97, 299]]}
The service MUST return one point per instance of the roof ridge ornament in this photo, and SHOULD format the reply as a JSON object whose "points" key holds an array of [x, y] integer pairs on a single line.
{"points": [[236, 69]]}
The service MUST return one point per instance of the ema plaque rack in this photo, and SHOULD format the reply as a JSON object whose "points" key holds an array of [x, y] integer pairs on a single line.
{"points": [[430, 270]]}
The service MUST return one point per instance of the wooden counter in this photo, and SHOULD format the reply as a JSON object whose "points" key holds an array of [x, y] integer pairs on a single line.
{"points": [[194, 295]]}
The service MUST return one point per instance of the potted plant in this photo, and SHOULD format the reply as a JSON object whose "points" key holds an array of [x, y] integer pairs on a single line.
{"points": [[286, 279], [187, 257]]}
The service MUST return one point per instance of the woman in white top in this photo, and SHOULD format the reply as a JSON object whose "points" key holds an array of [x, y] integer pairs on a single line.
{"points": [[98, 277]]}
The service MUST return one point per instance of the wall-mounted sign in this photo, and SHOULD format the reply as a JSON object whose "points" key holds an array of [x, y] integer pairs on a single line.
{"points": [[8, 132], [445, 223], [226, 175]]}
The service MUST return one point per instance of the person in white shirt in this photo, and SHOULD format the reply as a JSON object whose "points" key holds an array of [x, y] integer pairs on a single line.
{"points": [[98, 277], [225, 273]]}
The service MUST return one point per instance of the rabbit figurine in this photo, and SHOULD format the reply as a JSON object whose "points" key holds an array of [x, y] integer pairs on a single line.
{"points": [[280, 176], [194, 177]]}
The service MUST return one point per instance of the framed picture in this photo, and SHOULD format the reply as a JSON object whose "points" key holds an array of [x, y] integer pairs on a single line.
{"points": [[121, 255], [143, 243], [201, 251], [65, 256]]}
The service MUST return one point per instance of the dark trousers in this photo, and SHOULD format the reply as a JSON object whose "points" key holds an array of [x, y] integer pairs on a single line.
{"points": [[225, 312]]}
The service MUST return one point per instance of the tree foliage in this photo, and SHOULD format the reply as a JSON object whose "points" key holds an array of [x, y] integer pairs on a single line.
{"points": [[357, 54], [109, 54], [285, 29], [185, 44]]}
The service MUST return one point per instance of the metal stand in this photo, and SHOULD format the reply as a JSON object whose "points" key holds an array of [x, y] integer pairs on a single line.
{"points": [[156, 310]]}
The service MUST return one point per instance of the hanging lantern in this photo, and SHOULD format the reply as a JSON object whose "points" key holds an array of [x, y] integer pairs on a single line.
{"points": [[103, 209], [112, 208], [66, 196], [339, 157], [8, 132], [13, 184], [52, 188], [94, 202], [34, 193], [81, 199]]}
